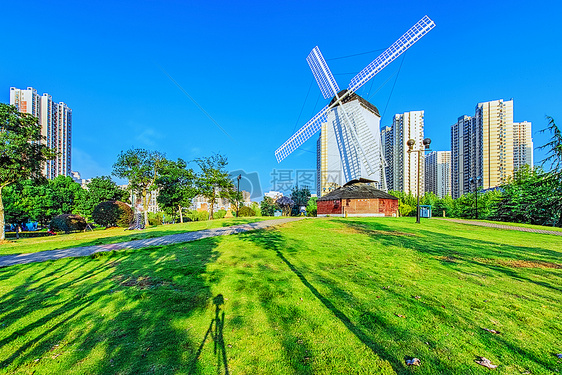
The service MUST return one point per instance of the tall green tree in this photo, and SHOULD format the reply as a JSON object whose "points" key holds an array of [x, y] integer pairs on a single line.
{"points": [[141, 168], [213, 180], [176, 186], [21, 152], [267, 206], [65, 193], [100, 189], [554, 147], [300, 197]]}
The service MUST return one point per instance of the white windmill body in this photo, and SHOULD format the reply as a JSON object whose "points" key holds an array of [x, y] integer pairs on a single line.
{"points": [[349, 121], [339, 160]]}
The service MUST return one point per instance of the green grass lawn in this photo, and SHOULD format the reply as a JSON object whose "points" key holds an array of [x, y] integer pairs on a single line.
{"points": [[318, 296], [102, 236]]}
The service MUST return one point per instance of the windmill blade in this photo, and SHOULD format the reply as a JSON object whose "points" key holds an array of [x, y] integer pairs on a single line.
{"points": [[400, 46], [302, 135], [322, 74]]}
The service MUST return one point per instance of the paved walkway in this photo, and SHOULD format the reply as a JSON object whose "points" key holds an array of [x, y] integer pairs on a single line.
{"points": [[10, 260], [501, 226]]}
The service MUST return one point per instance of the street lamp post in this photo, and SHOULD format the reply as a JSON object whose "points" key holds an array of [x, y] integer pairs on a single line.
{"points": [[476, 183], [238, 195], [421, 151]]}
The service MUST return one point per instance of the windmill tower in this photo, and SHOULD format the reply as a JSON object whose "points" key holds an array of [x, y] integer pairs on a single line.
{"points": [[348, 118]]}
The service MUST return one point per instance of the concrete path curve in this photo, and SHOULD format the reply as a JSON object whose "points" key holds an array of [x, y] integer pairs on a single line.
{"points": [[501, 226], [10, 260]]}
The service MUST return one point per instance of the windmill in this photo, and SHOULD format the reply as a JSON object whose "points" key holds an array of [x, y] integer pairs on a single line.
{"points": [[359, 145]]}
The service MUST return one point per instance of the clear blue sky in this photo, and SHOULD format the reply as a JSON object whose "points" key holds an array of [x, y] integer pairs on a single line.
{"points": [[244, 63]]}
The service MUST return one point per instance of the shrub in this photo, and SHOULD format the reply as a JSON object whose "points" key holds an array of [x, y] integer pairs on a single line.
{"points": [[155, 218], [219, 214], [246, 211], [194, 215], [67, 223], [113, 214]]}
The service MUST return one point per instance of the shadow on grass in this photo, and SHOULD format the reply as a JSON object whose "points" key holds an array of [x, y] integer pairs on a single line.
{"points": [[131, 235], [464, 251], [114, 313], [377, 329], [273, 240], [454, 250], [216, 331]]}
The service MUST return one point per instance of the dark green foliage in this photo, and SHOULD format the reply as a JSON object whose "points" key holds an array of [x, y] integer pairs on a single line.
{"points": [[176, 187], [155, 218], [300, 197], [67, 223], [554, 146], [100, 189], [21, 153], [113, 214], [532, 196], [267, 206], [64, 193], [246, 211]]}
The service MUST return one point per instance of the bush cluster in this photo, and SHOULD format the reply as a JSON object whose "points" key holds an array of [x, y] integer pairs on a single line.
{"points": [[113, 214], [67, 223], [246, 211], [194, 215]]}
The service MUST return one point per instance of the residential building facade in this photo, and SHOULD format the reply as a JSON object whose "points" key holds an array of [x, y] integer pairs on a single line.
{"points": [[56, 127], [438, 173], [401, 165], [488, 147], [522, 145]]}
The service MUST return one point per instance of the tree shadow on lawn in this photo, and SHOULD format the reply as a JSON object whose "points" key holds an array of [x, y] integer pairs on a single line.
{"points": [[127, 236], [455, 250], [463, 250], [275, 241], [215, 330], [376, 328], [113, 314]]}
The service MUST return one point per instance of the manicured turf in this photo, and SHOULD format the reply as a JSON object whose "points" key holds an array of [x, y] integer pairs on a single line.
{"points": [[101, 236], [318, 296]]}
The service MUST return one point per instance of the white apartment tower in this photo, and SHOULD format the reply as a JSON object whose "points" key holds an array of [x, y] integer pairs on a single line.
{"points": [[489, 145], [387, 141], [438, 173], [522, 145], [56, 126], [402, 166]]}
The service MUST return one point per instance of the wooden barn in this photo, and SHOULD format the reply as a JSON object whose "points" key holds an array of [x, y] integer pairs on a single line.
{"points": [[358, 199]]}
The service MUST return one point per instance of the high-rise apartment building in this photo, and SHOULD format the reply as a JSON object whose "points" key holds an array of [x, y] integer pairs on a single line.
{"points": [[466, 155], [522, 145], [402, 166], [489, 145], [56, 126], [494, 121], [438, 173], [387, 141]]}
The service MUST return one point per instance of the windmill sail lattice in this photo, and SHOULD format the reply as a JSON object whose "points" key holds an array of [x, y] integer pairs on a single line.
{"points": [[329, 87]]}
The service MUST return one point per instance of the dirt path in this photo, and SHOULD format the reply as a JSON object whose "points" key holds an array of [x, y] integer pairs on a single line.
{"points": [[502, 226], [10, 260]]}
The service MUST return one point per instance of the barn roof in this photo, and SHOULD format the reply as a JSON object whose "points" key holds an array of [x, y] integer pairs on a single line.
{"points": [[357, 191]]}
